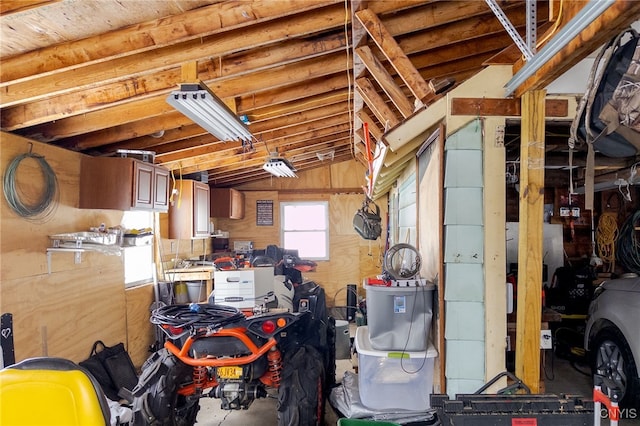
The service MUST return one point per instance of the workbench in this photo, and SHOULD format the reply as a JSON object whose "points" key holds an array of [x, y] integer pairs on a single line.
{"points": [[192, 273]]}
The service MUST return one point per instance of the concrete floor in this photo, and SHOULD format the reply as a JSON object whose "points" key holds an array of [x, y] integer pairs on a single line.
{"points": [[561, 377]]}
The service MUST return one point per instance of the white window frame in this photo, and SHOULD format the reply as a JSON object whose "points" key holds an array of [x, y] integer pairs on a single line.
{"points": [[138, 260], [323, 228]]}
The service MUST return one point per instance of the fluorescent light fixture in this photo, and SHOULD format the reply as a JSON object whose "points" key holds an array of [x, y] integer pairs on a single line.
{"points": [[280, 167], [201, 105]]}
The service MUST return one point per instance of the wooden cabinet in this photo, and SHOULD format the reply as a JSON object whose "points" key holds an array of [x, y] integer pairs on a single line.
{"points": [[117, 183], [189, 213], [151, 187], [227, 203]]}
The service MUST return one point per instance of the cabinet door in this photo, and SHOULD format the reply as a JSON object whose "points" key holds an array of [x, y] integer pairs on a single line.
{"points": [[143, 185], [200, 209], [161, 199]]}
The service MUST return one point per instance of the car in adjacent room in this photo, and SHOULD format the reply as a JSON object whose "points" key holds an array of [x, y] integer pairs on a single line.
{"points": [[612, 337]]}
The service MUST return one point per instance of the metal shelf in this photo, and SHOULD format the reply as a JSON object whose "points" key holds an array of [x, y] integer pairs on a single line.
{"points": [[79, 249]]}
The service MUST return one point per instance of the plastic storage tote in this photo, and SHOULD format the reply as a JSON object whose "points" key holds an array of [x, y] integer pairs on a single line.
{"points": [[393, 379], [399, 318]]}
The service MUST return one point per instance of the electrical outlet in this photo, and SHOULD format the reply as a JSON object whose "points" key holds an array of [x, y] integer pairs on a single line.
{"points": [[545, 339]]}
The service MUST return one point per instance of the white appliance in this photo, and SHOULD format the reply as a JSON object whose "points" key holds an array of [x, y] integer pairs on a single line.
{"points": [[243, 288]]}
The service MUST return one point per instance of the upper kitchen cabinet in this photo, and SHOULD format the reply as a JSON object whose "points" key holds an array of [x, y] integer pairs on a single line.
{"points": [[118, 183], [227, 203], [189, 211]]}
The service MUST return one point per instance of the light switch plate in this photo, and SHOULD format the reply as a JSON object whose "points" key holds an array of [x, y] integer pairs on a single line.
{"points": [[545, 339]]}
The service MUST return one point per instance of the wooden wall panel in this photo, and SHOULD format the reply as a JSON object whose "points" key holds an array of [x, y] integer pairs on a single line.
{"points": [[246, 229], [140, 331], [62, 313], [348, 174]]}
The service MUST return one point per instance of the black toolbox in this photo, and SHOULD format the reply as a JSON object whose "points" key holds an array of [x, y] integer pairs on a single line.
{"points": [[513, 410]]}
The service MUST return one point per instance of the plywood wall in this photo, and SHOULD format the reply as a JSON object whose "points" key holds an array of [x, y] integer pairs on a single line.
{"points": [[63, 312]]}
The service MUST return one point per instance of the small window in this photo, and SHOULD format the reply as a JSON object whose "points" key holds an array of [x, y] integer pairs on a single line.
{"points": [[138, 261], [305, 227], [138, 265]]}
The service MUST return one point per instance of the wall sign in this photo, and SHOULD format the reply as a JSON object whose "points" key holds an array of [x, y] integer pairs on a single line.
{"points": [[264, 212]]}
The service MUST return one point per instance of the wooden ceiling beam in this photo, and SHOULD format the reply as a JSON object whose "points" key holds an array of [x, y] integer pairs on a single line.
{"points": [[156, 105], [175, 123], [504, 107], [13, 6], [190, 25], [189, 134], [403, 66], [84, 99], [263, 101], [240, 160], [299, 105], [174, 153], [375, 102], [373, 126], [385, 81]]}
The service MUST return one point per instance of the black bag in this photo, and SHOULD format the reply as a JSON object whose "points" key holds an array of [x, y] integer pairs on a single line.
{"points": [[112, 368], [367, 222], [608, 113], [608, 116]]}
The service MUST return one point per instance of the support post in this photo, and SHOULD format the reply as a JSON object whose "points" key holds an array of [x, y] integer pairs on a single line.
{"points": [[530, 239]]}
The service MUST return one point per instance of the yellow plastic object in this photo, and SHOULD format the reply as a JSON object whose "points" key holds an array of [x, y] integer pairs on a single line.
{"points": [[51, 397]]}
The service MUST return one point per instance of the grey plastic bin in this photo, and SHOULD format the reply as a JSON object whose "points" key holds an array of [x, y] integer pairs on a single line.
{"points": [[399, 318]]}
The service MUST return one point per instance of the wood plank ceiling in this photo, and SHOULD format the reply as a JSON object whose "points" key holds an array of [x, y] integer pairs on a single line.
{"points": [[93, 75]]}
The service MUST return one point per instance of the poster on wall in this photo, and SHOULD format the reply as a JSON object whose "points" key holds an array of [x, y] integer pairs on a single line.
{"points": [[264, 212]]}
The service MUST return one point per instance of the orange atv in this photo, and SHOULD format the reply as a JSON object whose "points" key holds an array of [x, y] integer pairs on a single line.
{"points": [[216, 351]]}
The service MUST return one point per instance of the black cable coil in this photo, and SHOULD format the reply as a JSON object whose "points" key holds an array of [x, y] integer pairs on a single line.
{"points": [[195, 316], [627, 244]]}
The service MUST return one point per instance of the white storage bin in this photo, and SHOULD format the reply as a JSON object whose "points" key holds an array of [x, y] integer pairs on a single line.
{"points": [[242, 288], [393, 379], [399, 318]]}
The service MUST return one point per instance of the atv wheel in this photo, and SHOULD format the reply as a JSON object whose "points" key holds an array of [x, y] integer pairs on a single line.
{"points": [[157, 402], [301, 393], [184, 412]]}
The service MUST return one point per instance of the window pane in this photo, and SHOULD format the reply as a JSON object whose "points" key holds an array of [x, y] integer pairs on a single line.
{"points": [[303, 217], [310, 244], [138, 264], [305, 227]]}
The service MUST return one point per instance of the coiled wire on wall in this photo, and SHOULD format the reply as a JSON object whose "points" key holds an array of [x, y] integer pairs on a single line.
{"points": [[42, 208], [628, 246]]}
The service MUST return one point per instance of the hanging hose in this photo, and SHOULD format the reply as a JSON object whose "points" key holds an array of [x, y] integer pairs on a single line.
{"points": [[628, 246], [607, 233], [41, 209]]}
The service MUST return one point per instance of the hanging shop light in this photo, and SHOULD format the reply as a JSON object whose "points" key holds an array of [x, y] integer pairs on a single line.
{"points": [[280, 167], [201, 105]]}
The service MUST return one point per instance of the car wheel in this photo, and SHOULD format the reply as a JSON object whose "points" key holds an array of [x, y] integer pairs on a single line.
{"points": [[613, 360], [301, 393]]}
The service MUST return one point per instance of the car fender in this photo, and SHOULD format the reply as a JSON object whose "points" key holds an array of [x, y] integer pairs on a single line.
{"points": [[612, 309]]}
